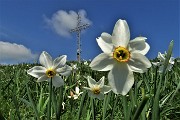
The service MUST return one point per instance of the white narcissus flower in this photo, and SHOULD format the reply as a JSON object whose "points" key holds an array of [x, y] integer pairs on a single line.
{"points": [[162, 58], [122, 57], [51, 69], [85, 63], [97, 89], [76, 95], [74, 67]]}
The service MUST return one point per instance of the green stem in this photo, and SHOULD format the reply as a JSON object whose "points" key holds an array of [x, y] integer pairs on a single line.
{"points": [[115, 104], [93, 109], [50, 98], [54, 101], [140, 108], [105, 104], [81, 104], [155, 79], [58, 117], [124, 104]]}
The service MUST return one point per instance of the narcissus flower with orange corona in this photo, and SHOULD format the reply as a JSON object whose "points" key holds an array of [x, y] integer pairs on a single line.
{"points": [[51, 69], [97, 89], [122, 57]]}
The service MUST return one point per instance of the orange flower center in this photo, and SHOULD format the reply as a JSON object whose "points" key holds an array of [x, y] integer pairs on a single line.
{"points": [[121, 54], [96, 89], [50, 73]]}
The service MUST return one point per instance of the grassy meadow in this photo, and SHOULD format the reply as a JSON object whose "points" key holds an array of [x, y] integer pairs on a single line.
{"points": [[22, 98], [154, 96]]}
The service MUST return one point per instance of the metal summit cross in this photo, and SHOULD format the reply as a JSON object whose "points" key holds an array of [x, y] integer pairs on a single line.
{"points": [[78, 30]]}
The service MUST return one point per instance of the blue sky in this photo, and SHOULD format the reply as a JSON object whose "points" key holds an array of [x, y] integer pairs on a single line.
{"points": [[28, 27]]}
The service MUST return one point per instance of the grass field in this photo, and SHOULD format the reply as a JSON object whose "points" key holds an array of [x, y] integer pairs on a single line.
{"points": [[24, 99], [153, 96]]}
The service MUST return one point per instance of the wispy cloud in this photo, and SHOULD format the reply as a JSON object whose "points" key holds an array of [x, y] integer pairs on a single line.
{"points": [[12, 53], [62, 21]]}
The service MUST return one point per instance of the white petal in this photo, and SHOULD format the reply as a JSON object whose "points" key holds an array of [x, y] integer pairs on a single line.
{"points": [[121, 34], [75, 97], [80, 93], [138, 62], [42, 78], [77, 90], [69, 96], [161, 57], [171, 60], [106, 89], [121, 79], [37, 71], [57, 81], [91, 82], [99, 96], [59, 61], [106, 37], [102, 62], [156, 63], [45, 59], [65, 71], [101, 82], [105, 44], [87, 88], [139, 45]]}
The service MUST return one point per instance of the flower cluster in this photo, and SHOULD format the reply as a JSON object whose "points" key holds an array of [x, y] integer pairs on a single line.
{"points": [[121, 56]]}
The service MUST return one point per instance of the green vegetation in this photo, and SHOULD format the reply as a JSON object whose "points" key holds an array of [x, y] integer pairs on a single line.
{"points": [[22, 98]]}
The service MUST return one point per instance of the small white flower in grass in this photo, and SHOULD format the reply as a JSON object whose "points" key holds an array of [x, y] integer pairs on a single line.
{"points": [[162, 58], [63, 105], [97, 89], [122, 57], [76, 94], [74, 67], [86, 63], [51, 69]]}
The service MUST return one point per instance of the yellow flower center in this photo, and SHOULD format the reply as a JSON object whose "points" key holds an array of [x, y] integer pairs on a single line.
{"points": [[121, 54], [50, 73], [96, 89]]}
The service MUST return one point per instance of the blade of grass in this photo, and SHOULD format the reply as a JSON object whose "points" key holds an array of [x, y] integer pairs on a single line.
{"points": [[125, 106], [156, 109], [58, 117], [50, 99], [93, 109], [54, 101], [16, 106], [176, 91], [106, 103], [32, 102], [40, 101], [81, 104], [141, 105], [114, 107]]}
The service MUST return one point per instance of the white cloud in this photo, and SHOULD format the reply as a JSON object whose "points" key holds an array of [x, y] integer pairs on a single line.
{"points": [[12, 53], [61, 21]]}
